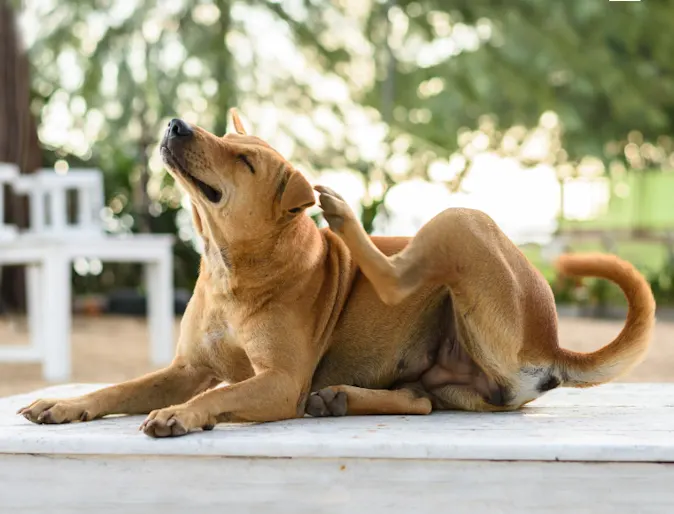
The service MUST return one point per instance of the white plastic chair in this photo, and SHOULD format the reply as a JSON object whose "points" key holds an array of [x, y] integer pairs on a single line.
{"points": [[47, 193], [52, 244], [8, 173], [33, 261]]}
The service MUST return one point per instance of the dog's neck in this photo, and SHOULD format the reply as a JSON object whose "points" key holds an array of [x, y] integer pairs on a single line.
{"points": [[259, 265]]}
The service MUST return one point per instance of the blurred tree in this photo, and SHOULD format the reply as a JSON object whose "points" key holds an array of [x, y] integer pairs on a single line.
{"points": [[604, 70], [18, 139]]}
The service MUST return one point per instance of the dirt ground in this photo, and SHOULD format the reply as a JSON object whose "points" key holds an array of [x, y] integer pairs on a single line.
{"points": [[111, 349]]}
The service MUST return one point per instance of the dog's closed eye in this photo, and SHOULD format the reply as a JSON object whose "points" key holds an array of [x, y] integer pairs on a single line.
{"points": [[245, 160]]}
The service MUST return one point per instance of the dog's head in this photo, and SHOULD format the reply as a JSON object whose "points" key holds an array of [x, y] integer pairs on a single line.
{"points": [[240, 188]]}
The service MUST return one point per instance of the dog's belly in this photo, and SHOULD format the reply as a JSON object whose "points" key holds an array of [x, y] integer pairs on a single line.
{"points": [[375, 345], [413, 344]]}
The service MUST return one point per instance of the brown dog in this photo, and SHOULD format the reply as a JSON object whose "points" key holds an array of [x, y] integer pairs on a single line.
{"points": [[331, 322]]}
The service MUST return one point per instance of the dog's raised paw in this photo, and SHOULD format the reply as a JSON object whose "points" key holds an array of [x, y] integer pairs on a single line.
{"points": [[335, 210], [326, 402]]}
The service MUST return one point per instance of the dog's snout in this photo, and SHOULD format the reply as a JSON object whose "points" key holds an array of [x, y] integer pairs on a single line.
{"points": [[178, 128]]}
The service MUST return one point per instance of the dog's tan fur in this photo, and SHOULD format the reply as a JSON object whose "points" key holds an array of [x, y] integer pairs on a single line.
{"points": [[299, 320]]}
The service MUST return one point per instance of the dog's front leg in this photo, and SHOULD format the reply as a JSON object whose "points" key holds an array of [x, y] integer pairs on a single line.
{"points": [[175, 384], [268, 396]]}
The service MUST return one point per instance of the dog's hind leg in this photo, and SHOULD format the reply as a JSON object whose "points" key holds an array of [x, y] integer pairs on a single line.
{"points": [[459, 248], [499, 299], [175, 384], [350, 400]]}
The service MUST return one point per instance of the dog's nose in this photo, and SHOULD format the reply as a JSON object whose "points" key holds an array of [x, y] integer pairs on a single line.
{"points": [[178, 128]]}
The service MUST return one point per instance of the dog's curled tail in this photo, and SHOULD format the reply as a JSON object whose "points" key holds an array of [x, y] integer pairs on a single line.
{"points": [[629, 347]]}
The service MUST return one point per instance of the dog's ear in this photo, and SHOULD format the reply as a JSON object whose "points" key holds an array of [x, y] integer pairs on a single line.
{"points": [[297, 194], [238, 125], [196, 219]]}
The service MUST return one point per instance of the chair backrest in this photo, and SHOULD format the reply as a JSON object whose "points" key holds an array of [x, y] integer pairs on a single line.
{"points": [[8, 173], [47, 192]]}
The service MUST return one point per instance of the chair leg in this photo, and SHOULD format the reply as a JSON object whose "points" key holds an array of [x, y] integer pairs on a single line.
{"points": [[34, 278], [55, 297], [159, 285]]}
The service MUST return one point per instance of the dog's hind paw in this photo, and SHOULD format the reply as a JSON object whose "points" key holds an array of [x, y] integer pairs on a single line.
{"points": [[326, 402], [335, 210]]}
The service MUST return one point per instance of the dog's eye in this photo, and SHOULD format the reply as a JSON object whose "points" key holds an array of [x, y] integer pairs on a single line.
{"points": [[245, 160]]}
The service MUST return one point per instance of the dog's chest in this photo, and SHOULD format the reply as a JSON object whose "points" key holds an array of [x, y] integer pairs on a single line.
{"points": [[216, 333], [214, 337]]}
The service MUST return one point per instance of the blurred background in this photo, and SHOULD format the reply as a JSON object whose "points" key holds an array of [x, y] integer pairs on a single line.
{"points": [[556, 118]]}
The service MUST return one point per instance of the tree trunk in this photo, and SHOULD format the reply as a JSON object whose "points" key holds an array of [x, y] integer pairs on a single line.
{"points": [[18, 139]]}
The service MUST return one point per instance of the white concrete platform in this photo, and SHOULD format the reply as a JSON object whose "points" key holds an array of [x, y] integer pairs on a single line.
{"points": [[608, 449]]}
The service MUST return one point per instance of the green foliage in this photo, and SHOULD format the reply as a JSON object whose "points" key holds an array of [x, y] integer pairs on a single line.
{"points": [[605, 69], [662, 283]]}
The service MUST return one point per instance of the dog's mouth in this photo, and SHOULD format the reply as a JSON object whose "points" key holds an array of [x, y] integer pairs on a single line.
{"points": [[212, 194]]}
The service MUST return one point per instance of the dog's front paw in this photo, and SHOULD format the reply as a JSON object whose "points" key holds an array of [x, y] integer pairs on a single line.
{"points": [[335, 210], [175, 421], [326, 402], [57, 411]]}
